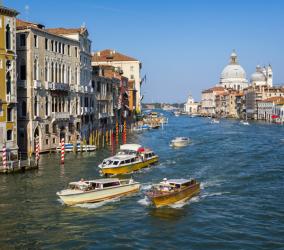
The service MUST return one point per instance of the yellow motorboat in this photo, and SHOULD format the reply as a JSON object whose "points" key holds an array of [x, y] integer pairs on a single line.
{"points": [[172, 191], [131, 157]]}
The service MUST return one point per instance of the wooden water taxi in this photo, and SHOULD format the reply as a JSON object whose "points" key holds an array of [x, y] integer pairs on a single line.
{"points": [[92, 191], [172, 191], [131, 157]]}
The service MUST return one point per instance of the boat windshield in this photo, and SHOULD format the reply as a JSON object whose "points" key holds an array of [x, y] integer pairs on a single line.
{"points": [[126, 152]]}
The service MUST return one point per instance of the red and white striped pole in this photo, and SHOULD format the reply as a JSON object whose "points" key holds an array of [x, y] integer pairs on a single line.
{"points": [[4, 157], [62, 151], [37, 150]]}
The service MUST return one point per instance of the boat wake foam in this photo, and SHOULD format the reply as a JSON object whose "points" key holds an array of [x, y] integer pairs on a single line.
{"points": [[210, 184], [145, 202], [97, 204], [146, 187]]}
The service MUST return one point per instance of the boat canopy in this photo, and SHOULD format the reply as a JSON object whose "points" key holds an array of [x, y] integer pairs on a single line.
{"points": [[133, 147], [178, 181]]}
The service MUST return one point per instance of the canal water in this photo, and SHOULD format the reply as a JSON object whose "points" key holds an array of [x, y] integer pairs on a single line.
{"points": [[241, 204]]}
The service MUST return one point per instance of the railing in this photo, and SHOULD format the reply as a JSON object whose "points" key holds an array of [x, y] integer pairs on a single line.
{"points": [[58, 86], [60, 115], [37, 84]]}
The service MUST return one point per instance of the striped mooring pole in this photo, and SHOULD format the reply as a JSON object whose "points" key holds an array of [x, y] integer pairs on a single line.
{"points": [[4, 156], [37, 150], [62, 151]]}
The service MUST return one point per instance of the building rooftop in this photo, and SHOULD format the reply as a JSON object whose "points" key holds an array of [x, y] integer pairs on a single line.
{"points": [[66, 31], [7, 11], [110, 55]]}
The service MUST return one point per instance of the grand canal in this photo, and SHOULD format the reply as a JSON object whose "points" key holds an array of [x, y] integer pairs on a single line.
{"points": [[241, 205]]}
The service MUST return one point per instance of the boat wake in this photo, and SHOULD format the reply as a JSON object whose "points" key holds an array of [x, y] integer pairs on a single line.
{"points": [[146, 187], [144, 202], [97, 204], [206, 184]]}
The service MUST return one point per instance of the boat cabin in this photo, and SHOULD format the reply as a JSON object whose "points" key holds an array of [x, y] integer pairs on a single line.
{"points": [[175, 184], [94, 184]]}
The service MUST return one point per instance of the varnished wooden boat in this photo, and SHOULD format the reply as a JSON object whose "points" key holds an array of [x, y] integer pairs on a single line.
{"points": [[172, 191]]}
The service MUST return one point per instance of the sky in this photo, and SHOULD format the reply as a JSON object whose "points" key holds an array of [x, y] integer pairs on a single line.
{"points": [[183, 44]]}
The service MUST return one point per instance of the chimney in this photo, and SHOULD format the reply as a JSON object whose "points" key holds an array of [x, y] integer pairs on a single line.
{"points": [[113, 51], [98, 53]]}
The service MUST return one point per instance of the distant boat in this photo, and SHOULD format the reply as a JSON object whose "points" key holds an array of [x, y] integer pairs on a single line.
{"points": [[246, 123], [215, 121], [69, 147], [180, 142]]}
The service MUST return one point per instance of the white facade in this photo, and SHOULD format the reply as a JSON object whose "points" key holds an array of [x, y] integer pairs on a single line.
{"points": [[233, 75], [190, 106]]}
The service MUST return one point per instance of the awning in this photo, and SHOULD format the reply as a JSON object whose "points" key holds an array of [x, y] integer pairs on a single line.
{"points": [[274, 116]]}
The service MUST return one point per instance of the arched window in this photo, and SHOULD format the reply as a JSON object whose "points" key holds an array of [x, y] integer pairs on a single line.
{"points": [[56, 73], [8, 83], [60, 73], [52, 72], [24, 109], [8, 37], [46, 106], [35, 106], [64, 74], [76, 79], [46, 71], [35, 70], [68, 74]]}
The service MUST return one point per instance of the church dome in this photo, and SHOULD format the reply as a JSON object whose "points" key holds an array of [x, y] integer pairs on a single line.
{"points": [[258, 76], [233, 71]]}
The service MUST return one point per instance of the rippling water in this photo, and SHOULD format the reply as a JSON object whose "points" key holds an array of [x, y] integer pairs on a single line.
{"points": [[241, 204]]}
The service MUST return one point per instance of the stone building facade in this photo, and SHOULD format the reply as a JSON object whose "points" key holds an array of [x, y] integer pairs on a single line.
{"points": [[48, 87]]}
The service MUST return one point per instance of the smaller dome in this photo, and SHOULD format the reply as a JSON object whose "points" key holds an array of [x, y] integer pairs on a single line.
{"points": [[258, 76]]}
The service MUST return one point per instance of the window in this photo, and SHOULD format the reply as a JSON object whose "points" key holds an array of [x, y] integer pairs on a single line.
{"points": [[59, 47], [35, 106], [52, 45], [68, 50], [54, 130], [24, 109], [22, 40], [9, 114], [9, 135], [53, 140], [132, 77], [46, 141], [8, 37], [63, 48], [52, 72], [35, 70], [46, 106], [76, 51], [47, 129], [131, 68], [8, 83], [23, 72], [35, 41], [46, 43]]}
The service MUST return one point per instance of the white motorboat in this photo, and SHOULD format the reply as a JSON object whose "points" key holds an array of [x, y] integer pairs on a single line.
{"points": [[246, 123], [92, 191], [69, 147], [180, 142], [215, 121]]}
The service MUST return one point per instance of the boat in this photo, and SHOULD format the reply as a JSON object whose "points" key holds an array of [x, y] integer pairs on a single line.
{"points": [[215, 121], [145, 127], [246, 123], [177, 113], [91, 191], [172, 191], [180, 142], [130, 158], [69, 147], [155, 126]]}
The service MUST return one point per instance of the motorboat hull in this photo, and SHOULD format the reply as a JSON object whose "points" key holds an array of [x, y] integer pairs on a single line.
{"points": [[163, 199], [99, 195], [129, 168], [179, 143]]}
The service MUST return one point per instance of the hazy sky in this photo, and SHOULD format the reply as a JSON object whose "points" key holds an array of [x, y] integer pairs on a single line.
{"points": [[183, 45]]}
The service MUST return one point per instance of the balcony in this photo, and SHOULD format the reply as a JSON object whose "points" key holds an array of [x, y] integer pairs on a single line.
{"points": [[58, 86], [103, 115], [22, 83], [60, 115], [37, 84]]}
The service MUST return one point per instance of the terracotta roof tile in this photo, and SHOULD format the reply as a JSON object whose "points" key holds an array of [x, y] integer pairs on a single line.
{"points": [[110, 55], [65, 31]]}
